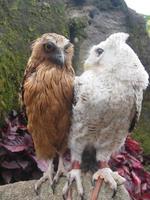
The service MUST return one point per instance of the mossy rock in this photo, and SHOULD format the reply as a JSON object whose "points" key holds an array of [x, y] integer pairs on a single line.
{"points": [[77, 35], [21, 23], [142, 132]]}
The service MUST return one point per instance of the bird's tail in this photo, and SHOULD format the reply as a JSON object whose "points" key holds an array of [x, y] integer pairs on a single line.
{"points": [[89, 162]]}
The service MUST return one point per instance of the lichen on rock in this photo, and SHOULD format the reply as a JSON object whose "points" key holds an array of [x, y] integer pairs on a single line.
{"points": [[25, 191]]}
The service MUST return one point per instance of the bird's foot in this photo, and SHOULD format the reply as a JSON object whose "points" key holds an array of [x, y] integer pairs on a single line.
{"points": [[61, 171], [48, 175], [110, 177], [73, 175]]}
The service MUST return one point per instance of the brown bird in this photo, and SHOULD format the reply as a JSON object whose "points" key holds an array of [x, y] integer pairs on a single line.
{"points": [[47, 94]]}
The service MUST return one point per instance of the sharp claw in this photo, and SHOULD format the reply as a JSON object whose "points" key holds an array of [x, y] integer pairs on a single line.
{"points": [[53, 186], [82, 197], [70, 181], [114, 193], [119, 184], [36, 191], [93, 182], [64, 197]]}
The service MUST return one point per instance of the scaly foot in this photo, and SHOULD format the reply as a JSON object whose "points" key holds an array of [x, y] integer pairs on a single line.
{"points": [[73, 175], [61, 171], [48, 175], [110, 177]]}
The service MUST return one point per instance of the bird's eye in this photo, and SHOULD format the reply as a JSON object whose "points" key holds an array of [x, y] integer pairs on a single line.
{"points": [[67, 46], [48, 47], [99, 51]]}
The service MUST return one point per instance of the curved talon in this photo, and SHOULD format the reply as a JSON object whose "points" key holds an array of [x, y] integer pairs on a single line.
{"points": [[38, 184], [93, 183], [53, 186], [82, 197], [48, 175], [36, 191], [114, 193], [107, 175], [74, 175]]}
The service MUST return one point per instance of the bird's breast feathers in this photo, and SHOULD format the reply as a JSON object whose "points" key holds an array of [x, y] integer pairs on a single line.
{"points": [[48, 87]]}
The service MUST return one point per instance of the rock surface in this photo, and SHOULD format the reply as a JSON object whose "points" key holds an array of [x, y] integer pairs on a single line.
{"points": [[25, 191]]}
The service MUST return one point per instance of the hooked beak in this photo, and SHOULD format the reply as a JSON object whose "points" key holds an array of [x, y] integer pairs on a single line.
{"points": [[87, 65], [59, 59]]}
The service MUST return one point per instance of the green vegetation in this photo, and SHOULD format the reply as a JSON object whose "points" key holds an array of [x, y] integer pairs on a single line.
{"points": [[22, 22], [77, 34], [142, 133], [148, 24]]}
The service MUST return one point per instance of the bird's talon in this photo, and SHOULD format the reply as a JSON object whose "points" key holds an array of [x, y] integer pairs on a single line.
{"points": [[73, 175], [82, 197], [64, 197], [93, 183], [36, 191], [119, 184], [53, 187], [114, 193]]}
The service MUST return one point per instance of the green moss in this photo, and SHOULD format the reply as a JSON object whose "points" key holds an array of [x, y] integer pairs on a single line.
{"points": [[142, 133], [22, 22], [77, 34]]}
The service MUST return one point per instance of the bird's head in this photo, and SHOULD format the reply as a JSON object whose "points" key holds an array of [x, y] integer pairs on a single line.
{"points": [[52, 48], [114, 55], [109, 52]]}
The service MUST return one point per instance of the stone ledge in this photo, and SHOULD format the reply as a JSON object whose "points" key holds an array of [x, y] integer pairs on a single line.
{"points": [[25, 191]]}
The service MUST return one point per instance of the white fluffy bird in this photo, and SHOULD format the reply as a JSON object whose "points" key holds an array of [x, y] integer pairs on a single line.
{"points": [[108, 98]]}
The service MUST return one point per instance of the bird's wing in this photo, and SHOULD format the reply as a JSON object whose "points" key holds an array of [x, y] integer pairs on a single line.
{"points": [[28, 72], [77, 86], [81, 87], [99, 101], [137, 109]]}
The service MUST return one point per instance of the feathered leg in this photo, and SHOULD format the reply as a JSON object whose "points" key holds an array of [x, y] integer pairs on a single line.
{"points": [[105, 174], [48, 175]]}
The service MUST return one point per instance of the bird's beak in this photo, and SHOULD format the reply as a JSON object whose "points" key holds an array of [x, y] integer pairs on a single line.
{"points": [[59, 59], [86, 66]]}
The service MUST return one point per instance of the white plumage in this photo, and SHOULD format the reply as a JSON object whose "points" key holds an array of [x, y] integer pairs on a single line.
{"points": [[108, 98]]}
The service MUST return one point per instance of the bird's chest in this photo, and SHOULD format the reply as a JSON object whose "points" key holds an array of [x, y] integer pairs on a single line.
{"points": [[48, 89], [108, 111]]}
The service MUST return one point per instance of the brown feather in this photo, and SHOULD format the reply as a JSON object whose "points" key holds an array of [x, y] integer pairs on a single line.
{"points": [[47, 96]]}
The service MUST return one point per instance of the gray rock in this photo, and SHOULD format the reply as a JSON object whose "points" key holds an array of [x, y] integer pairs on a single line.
{"points": [[25, 191]]}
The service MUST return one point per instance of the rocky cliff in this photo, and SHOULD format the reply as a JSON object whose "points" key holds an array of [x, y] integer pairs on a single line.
{"points": [[85, 22]]}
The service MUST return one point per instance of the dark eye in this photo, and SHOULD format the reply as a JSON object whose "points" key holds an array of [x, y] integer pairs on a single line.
{"points": [[48, 47], [67, 46], [99, 51]]}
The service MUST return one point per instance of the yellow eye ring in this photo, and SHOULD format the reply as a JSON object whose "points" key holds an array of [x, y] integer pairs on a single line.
{"points": [[48, 47]]}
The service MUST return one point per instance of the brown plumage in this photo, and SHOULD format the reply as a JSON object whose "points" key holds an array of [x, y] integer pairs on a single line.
{"points": [[48, 93]]}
